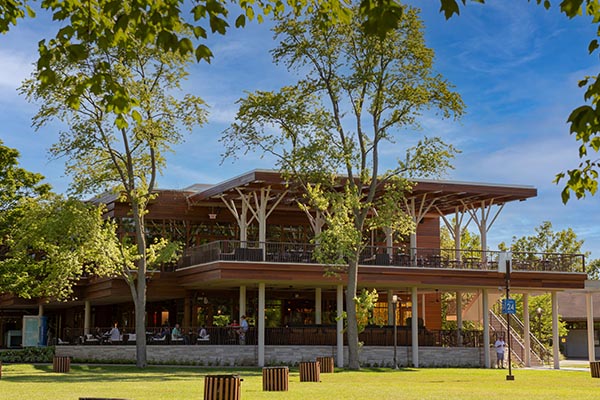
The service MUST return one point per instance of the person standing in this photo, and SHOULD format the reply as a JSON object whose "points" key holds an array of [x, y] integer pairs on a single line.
{"points": [[243, 329], [500, 345], [114, 336]]}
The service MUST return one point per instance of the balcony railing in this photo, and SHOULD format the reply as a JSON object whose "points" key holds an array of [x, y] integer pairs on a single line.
{"points": [[309, 335], [232, 250]]}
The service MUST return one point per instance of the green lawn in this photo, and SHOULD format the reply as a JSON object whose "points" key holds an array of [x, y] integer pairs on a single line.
{"points": [[181, 383]]}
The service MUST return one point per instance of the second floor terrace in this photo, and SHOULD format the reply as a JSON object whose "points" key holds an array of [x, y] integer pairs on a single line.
{"points": [[305, 253]]}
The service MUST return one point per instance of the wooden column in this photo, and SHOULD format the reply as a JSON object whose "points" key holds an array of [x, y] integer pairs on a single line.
{"points": [[459, 321], [87, 316], [242, 303], [318, 306], [187, 310]]}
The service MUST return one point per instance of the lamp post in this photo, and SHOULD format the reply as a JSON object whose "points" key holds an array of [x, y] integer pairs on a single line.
{"points": [[539, 312], [394, 304]]}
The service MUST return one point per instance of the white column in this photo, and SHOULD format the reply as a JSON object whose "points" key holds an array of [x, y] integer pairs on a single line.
{"points": [[459, 321], [389, 241], [415, 327], [527, 333], [40, 310], [261, 324], [486, 328], [318, 306], [413, 248], [555, 343], [390, 293], [242, 302], [340, 326], [87, 317], [589, 311]]}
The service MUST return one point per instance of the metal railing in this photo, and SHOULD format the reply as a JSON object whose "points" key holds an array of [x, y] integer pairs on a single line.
{"points": [[281, 252], [309, 335], [541, 353]]}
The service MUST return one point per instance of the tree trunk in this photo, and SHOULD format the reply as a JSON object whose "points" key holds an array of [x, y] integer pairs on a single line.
{"points": [[352, 323], [140, 324], [140, 299]]}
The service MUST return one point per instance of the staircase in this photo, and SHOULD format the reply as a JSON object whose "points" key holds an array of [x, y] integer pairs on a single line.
{"points": [[539, 355]]}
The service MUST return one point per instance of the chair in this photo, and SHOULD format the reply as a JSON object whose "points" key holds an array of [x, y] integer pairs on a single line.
{"points": [[177, 339], [88, 338], [203, 339], [382, 259], [131, 338], [159, 340], [60, 341]]}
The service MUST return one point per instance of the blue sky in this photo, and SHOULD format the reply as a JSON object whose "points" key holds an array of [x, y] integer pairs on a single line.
{"points": [[515, 65]]}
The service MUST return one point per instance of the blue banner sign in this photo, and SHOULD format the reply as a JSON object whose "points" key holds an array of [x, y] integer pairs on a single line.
{"points": [[509, 306]]}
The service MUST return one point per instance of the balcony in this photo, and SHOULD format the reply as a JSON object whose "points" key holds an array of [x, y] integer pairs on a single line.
{"points": [[304, 253]]}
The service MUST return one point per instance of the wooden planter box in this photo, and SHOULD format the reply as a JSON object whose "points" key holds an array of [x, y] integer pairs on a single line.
{"points": [[327, 364], [310, 371], [222, 387], [275, 379], [595, 369], [61, 364]]}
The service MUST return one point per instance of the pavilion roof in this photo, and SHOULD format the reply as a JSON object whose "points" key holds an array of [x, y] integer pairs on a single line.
{"points": [[446, 196]]}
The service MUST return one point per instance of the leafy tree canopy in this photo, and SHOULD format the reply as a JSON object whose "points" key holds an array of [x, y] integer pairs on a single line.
{"points": [[545, 240], [15, 182], [54, 242]]}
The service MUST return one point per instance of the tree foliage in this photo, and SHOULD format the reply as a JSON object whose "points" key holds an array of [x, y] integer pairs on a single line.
{"points": [[468, 240], [546, 240], [174, 26], [120, 125], [15, 182], [52, 244], [355, 95]]}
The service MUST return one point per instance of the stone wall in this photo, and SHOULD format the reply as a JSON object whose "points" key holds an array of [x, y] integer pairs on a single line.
{"points": [[212, 355]]}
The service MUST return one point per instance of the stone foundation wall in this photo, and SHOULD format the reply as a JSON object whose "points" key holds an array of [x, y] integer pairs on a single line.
{"points": [[212, 355]]}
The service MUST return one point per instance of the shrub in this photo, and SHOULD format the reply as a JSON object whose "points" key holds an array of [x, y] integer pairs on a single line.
{"points": [[28, 355]]}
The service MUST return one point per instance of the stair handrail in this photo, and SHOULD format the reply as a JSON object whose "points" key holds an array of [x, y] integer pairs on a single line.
{"points": [[537, 347]]}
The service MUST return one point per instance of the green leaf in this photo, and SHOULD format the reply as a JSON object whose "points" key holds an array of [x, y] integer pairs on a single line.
{"points": [[203, 53], [449, 7], [592, 46], [121, 122], [571, 8], [30, 12], [240, 21], [137, 117]]}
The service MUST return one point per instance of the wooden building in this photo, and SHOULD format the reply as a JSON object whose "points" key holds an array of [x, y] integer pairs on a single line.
{"points": [[248, 251]]}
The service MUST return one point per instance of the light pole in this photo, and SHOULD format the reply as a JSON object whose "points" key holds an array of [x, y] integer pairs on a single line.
{"points": [[394, 303], [539, 312]]}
